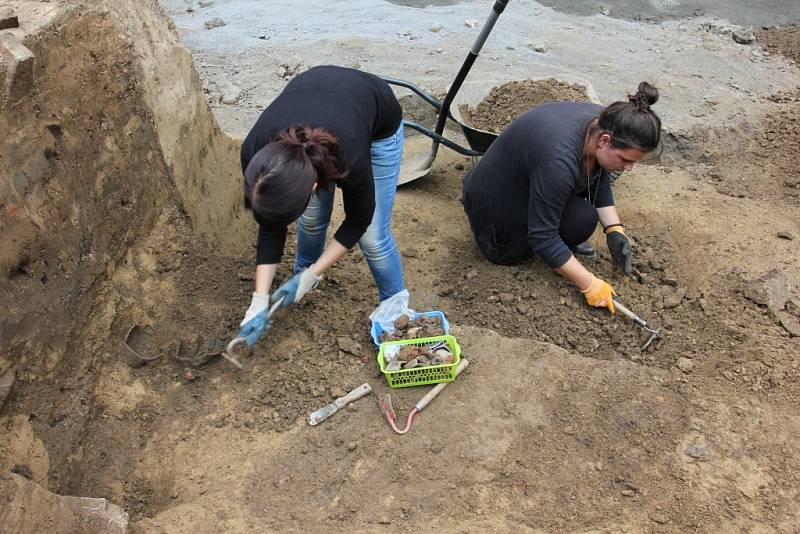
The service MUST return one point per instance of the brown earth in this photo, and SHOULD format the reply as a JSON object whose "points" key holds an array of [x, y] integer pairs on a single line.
{"points": [[506, 102], [559, 424], [784, 41]]}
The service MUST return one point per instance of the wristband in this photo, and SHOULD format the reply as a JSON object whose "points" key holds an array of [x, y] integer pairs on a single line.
{"points": [[616, 225]]}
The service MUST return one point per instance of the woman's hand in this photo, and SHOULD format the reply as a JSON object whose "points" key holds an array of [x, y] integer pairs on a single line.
{"points": [[296, 287], [600, 294], [619, 247]]}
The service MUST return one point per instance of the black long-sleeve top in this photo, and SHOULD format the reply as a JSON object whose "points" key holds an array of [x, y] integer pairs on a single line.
{"points": [[358, 108], [525, 179]]}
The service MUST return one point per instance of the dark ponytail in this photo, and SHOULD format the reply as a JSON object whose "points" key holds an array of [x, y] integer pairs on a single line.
{"points": [[280, 178], [633, 124]]}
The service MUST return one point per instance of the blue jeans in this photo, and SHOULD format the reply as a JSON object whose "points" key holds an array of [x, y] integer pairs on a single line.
{"points": [[377, 244]]}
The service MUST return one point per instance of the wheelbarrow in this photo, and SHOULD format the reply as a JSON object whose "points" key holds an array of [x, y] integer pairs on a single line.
{"points": [[418, 158], [418, 153]]}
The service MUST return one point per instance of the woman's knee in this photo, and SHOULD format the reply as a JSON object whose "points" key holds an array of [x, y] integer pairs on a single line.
{"points": [[377, 245], [578, 221]]}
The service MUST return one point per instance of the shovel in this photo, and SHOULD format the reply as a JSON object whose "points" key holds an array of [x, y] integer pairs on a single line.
{"points": [[417, 155]]}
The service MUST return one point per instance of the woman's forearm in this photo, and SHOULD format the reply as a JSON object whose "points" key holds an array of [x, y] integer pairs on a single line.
{"points": [[265, 273], [332, 253], [576, 273], [608, 216]]}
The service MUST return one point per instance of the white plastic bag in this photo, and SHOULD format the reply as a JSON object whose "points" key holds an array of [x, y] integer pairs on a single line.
{"points": [[390, 309]]}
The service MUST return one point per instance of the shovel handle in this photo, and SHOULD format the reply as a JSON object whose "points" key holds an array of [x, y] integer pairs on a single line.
{"points": [[629, 314], [424, 401]]}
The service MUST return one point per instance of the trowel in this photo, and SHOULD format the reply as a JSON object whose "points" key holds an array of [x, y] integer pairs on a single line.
{"points": [[323, 413]]}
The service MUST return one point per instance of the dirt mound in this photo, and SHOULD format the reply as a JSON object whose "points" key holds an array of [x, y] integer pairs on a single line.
{"points": [[508, 101], [784, 41], [767, 168], [779, 144]]}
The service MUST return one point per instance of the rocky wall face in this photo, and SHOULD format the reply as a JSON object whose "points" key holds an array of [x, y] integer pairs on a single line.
{"points": [[104, 127], [82, 176], [203, 161]]}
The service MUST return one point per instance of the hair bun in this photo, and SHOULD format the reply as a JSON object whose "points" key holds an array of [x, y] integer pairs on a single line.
{"points": [[646, 95]]}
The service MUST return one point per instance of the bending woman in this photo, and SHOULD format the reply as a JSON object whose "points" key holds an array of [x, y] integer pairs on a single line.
{"points": [[330, 128], [544, 183]]}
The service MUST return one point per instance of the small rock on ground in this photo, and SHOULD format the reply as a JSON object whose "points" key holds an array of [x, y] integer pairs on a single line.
{"points": [[771, 290], [790, 323], [349, 345], [685, 364], [216, 22], [744, 36], [231, 94], [658, 517], [8, 19]]}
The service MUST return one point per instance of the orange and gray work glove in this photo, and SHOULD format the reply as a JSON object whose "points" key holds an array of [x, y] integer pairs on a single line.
{"points": [[600, 294], [619, 247]]}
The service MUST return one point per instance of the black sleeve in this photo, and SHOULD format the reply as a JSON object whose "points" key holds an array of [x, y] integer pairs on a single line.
{"points": [[271, 241], [358, 195], [244, 156], [604, 197], [550, 189]]}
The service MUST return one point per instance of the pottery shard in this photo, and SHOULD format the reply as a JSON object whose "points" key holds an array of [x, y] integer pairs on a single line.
{"points": [[407, 353], [771, 290], [401, 323]]}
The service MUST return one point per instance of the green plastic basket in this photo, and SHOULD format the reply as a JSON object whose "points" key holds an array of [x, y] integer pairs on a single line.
{"points": [[419, 376]]}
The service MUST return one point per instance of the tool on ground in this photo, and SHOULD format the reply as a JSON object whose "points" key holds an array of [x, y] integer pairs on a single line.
{"points": [[388, 410], [139, 348], [228, 353], [198, 353], [654, 334], [323, 413], [417, 159]]}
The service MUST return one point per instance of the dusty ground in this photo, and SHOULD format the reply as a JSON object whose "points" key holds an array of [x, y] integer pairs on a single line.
{"points": [[785, 41], [559, 424]]}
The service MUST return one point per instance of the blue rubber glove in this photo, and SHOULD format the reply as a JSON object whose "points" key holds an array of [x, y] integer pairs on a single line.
{"points": [[296, 287], [255, 328]]}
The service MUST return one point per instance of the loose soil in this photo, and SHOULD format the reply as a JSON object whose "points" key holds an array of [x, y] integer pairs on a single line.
{"points": [[506, 102], [784, 41], [560, 423]]}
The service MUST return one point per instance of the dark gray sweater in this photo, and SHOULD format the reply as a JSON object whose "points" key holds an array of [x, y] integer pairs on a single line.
{"points": [[522, 183]]}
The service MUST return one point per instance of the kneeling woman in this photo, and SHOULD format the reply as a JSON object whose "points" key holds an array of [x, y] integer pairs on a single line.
{"points": [[544, 183], [330, 127]]}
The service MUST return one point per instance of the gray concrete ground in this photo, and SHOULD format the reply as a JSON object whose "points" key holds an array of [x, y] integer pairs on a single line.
{"points": [[705, 77], [745, 12]]}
